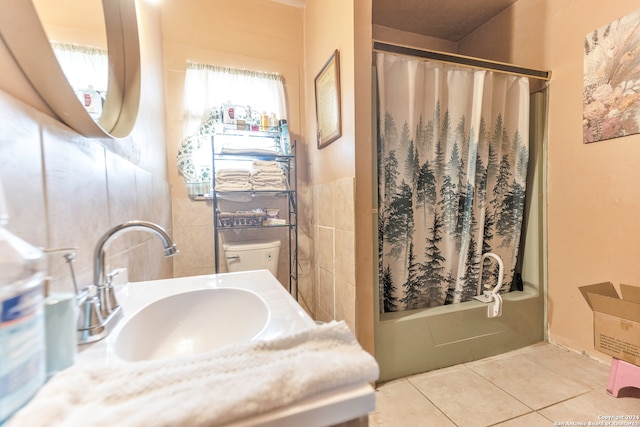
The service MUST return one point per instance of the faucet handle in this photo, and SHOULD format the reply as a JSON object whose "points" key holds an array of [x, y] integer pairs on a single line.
{"points": [[108, 294], [110, 276]]}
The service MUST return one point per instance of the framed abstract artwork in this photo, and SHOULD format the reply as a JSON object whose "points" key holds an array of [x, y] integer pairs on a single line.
{"points": [[611, 100]]}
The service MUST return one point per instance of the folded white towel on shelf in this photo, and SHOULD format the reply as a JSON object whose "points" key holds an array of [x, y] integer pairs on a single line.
{"points": [[261, 171], [264, 164], [234, 382], [269, 183], [221, 186], [230, 176], [267, 176], [267, 187], [232, 179], [234, 172]]}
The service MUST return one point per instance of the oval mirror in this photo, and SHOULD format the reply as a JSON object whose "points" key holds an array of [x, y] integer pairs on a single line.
{"points": [[26, 39]]}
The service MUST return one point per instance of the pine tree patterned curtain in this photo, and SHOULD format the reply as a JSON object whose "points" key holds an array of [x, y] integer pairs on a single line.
{"points": [[452, 163]]}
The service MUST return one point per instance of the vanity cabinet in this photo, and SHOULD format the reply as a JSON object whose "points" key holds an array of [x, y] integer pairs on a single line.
{"points": [[246, 208]]}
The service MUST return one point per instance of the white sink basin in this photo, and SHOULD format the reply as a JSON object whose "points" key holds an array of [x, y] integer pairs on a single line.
{"points": [[191, 322]]}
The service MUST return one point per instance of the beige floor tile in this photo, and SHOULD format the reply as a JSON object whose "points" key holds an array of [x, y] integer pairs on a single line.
{"points": [[527, 381], [467, 398], [592, 407], [532, 419], [572, 365], [400, 404]]}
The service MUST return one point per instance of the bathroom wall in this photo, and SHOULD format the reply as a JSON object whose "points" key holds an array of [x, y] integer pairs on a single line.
{"points": [[333, 167], [296, 42], [404, 38], [65, 190], [592, 192], [247, 34]]}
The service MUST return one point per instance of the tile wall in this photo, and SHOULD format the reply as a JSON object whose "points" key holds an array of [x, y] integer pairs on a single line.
{"points": [[65, 191], [334, 246]]}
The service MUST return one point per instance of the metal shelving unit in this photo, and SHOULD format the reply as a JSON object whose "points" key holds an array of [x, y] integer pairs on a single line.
{"points": [[253, 198]]}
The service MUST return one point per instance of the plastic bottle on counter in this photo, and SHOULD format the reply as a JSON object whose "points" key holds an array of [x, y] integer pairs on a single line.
{"points": [[285, 138], [22, 339]]}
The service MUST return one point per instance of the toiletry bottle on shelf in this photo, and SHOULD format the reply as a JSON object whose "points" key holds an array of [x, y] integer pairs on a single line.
{"points": [[285, 139], [92, 102], [22, 341], [264, 121]]}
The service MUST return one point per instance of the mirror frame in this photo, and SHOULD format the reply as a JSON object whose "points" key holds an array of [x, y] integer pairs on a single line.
{"points": [[25, 37]]}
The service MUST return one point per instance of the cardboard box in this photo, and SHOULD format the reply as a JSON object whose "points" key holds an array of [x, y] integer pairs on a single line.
{"points": [[616, 320]]}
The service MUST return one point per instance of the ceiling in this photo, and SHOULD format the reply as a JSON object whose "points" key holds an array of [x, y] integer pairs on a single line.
{"points": [[443, 19]]}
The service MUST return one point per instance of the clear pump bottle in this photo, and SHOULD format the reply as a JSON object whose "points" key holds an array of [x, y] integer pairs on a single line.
{"points": [[22, 339]]}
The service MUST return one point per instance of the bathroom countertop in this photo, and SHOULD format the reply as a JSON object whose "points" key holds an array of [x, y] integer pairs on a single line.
{"points": [[286, 317]]}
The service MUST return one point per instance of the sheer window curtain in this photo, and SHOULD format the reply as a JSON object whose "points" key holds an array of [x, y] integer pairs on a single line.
{"points": [[84, 66], [206, 89], [209, 86]]}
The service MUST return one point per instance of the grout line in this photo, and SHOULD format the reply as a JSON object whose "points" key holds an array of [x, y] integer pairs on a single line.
{"points": [[532, 410], [430, 401], [512, 418]]}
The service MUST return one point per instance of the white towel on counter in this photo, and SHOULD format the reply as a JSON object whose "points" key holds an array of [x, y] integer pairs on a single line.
{"points": [[210, 389]]}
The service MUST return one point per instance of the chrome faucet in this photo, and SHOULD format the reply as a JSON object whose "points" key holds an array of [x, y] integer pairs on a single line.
{"points": [[99, 309]]}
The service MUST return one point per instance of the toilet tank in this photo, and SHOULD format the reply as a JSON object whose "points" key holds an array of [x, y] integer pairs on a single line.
{"points": [[252, 255]]}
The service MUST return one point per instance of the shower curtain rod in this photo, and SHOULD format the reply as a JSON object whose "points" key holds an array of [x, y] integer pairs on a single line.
{"points": [[462, 60]]}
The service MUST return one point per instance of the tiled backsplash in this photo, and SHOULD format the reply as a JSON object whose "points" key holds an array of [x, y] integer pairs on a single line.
{"points": [[65, 190]]}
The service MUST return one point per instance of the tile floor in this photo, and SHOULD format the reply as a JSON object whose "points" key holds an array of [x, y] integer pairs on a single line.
{"points": [[539, 385]]}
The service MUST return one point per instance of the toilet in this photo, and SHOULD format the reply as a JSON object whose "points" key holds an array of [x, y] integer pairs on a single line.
{"points": [[252, 255]]}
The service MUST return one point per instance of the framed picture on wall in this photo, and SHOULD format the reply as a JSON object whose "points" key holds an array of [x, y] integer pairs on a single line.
{"points": [[611, 100], [328, 115]]}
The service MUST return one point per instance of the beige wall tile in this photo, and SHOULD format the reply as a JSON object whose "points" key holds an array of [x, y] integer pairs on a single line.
{"points": [[345, 256], [147, 262], [323, 205], [76, 193], [122, 201], [145, 202], [184, 271], [21, 171], [323, 316], [198, 253], [346, 303], [325, 248], [161, 204], [326, 292], [343, 202], [307, 294], [187, 213]]}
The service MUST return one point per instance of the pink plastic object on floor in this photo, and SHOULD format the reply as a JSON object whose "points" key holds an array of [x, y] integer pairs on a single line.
{"points": [[622, 374]]}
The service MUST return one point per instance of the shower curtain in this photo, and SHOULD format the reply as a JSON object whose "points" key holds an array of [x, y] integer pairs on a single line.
{"points": [[452, 163]]}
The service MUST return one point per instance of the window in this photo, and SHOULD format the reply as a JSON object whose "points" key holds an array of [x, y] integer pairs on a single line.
{"points": [[87, 70], [207, 89]]}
